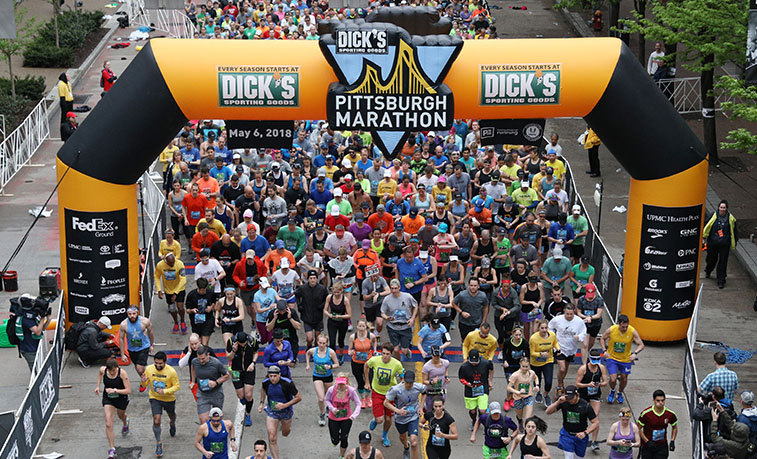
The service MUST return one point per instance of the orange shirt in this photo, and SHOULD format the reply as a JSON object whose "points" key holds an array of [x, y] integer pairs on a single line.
{"points": [[413, 225], [273, 259], [209, 186], [385, 223], [195, 207], [485, 216], [199, 242]]}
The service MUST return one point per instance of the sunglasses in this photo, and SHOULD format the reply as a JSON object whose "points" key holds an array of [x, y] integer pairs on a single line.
{"points": [[624, 414]]}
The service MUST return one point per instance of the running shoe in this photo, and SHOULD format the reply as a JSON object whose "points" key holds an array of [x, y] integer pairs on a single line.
{"points": [[247, 420], [611, 397], [385, 439], [83, 363], [538, 398], [172, 429], [363, 403], [372, 425], [406, 454], [125, 428], [175, 328], [452, 326], [620, 398], [506, 405], [499, 356], [370, 402], [341, 359], [111, 453], [408, 354], [159, 450], [547, 400], [322, 419], [183, 328], [559, 392], [349, 325], [142, 388], [594, 446]]}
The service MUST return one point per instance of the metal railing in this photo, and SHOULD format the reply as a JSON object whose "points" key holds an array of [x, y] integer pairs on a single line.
{"points": [[18, 148], [173, 22], [690, 382], [154, 211], [686, 94]]}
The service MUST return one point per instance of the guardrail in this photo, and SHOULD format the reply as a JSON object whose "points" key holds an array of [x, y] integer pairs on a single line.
{"points": [[154, 211], [18, 148], [173, 22], [686, 94], [690, 383]]}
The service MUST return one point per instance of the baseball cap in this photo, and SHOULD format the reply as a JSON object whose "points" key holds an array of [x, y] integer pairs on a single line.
{"points": [[359, 217], [366, 244], [392, 240], [275, 165], [281, 305], [312, 272], [747, 397], [524, 183], [495, 407], [335, 210], [70, 115], [274, 369], [409, 376], [442, 179], [380, 208], [557, 253], [549, 171], [321, 173], [215, 412], [443, 227], [429, 221], [591, 291], [454, 258], [347, 163], [413, 211], [364, 437], [576, 209], [399, 225], [509, 201], [241, 337], [502, 230], [105, 320], [423, 254], [236, 156], [285, 262], [495, 176], [552, 197], [479, 205], [264, 282], [291, 221], [348, 177], [485, 263], [474, 356], [364, 204], [436, 350], [387, 173], [247, 213], [338, 192], [551, 151], [279, 244], [571, 391]]}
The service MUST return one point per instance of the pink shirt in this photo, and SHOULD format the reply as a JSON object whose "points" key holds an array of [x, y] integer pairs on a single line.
{"points": [[342, 406]]}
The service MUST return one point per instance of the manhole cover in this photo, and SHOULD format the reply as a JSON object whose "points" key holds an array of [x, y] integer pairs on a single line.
{"points": [[732, 164], [133, 452]]}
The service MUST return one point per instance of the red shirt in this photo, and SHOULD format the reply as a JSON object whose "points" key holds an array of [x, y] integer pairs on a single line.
{"points": [[332, 221], [195, 207], [655, 426]]}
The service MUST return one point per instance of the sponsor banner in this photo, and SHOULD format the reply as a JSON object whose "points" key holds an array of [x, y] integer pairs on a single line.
{"points": [[670, 241], [258, 86], [361, 41], [259, 134], [519, 84], [512, 132], [97, 262]]}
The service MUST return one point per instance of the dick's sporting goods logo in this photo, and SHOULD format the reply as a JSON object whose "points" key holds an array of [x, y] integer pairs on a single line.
{"points": [[519, 84], [258, 86], [389, 94]]}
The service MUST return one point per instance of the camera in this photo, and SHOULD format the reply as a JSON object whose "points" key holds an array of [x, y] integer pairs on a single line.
{"points": [[707, 398]]}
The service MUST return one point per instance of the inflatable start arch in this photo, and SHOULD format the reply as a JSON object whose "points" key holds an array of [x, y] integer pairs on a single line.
{"points": [[388, 74]]}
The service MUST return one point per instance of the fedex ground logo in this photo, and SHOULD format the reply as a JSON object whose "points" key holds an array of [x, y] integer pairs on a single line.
{"points": [[98, 226]]}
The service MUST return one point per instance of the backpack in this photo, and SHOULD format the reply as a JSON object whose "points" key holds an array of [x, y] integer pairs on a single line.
{"points": [[10, 326], [72, 335]]}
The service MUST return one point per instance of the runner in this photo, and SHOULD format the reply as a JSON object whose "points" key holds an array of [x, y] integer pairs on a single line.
{"points": [[570, 331], [213, 436], [542, 347], [200, 307], [171, 277], [440, 299], [279, 353], [365, 450], [264, 302], [435, 376], [482, 340], [515, 349], [242, 354], [590, 379], [259, 448], [442, 429], [361, 344], [281, 395], [523, 384], [399, 310], [574, 435], [286, 319], [496, 429], [590, 308], [116, 390], [163, 382], [136, 333], [210, 374], [477, 375], [338, 310], [374, 290], [473, 307], [311, 297], [653, 428], [386, 370], [506, 310], [433, 333], [532, 446], [230, 314], [404, 400], [324, 361], [616, 343], [623, 436], [341, 413], [187, 355]]}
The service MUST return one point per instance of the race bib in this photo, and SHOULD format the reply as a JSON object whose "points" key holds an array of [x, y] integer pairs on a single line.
{"points": [[592, 390], [534, 313], [250, 281], [113, 395], [320, 369], [622, 449], [200, 318], [477, 391], [619, 348], [170, 275], [204, 384], [437, 441], [195, 215], [540, 359], [658, 435], [362, 356], [158, 385], [444, 257], [572, 417], [588, 312], [341, 413], [400, 316], [217, 446], [384, 377], [286, 333], [516, 355], [524, 386], [495, 452], [135, 342], [272, 405]]}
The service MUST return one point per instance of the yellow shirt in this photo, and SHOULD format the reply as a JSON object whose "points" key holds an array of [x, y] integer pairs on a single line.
{"points": [[537, 344], [447, 193], [330, 171], [535, 181], [384, 374], [216, 227], [167, 155], [385, 187], [170, 279], [512, 171], [486, 346], [558, 168], [167, 379], [65, 92], [619, 345], [165, 249]]}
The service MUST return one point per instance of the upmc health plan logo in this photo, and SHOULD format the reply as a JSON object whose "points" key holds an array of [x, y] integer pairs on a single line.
{"points": [[519, 84], [258, 86], [390, 82]]}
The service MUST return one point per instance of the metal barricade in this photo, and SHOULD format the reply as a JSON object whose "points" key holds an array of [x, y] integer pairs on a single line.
{"points": [[18, 148], [153, 209]]}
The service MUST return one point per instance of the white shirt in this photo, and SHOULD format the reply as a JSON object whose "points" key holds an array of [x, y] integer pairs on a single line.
{"points": [[556, 147], [285, 283], [428, 182], [496, 192], [562, 197], [566, 332], [209, 271], [651, 63]]}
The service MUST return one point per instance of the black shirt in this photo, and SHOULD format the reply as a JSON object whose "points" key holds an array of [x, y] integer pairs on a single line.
{"points": [[477, 375], [231, 194], [513, 353], [225, 254], [555, 308], [575, 417], [291, 196], [283, 322], [310, 301], [390, 256], [245, 354], [444, 423], [201, 303]]}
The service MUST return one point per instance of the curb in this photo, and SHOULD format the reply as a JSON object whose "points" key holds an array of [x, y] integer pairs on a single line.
{"points": [[746, 252], [576, 23]]}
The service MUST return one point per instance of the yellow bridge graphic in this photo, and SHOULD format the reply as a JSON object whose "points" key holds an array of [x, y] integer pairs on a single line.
{"points": [[413, 83]]}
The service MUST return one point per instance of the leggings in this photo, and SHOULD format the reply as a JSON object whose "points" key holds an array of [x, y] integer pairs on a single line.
{"points": [[438, 452], [544, 373], [504, 327], [357, 372], [337, 331], [340, 431], [177, 224]]}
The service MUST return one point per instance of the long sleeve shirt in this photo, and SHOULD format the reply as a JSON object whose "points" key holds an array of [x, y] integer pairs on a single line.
{"points": [[165, 379], [343, 408], [170, 279]]}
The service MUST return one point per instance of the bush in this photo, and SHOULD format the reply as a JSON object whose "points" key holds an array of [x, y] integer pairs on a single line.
{"points": [[32, 88], [14, 109], [73, 28]]}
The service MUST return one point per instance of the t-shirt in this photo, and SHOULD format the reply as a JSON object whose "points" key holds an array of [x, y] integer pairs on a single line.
{"points": [[200, 302], [561, 232], [579, 225], [369, 287], [390, 256], [284, 283], [477, 376], [410, 272], [290, 333], [566, 332], [209, 271], [431, 337], [282, 392], [496, 429], [473, 305], [555, 269], [442, 425], [165, 379], [265, 299], [211, 371], [537, 345], [528, 253], [407, 399], [655, 426], [436, 372], [399, 309], [486, 346], [582, 277], [384, 374], [575, 417]]}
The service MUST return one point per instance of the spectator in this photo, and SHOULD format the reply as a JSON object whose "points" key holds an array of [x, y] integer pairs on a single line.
{"points": [[722, 377], [720, 236], [90, 346]]}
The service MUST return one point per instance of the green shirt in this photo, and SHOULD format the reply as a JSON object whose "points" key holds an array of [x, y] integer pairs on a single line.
{"points": [[579, 226], [582, 277], [294, 241], [384, 374], [503, 248], [555, 270], [524, 198], [345, 208]]}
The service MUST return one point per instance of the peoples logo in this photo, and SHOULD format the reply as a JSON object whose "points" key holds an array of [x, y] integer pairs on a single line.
{"points": [[81, 310], [652, 250]]}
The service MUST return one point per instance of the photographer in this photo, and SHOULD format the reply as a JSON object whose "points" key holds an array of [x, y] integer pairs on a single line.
{"points": [[737, 441], [33, 317], [714, 399]]}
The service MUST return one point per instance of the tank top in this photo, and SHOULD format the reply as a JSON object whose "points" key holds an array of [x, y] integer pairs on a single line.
{"points": [[620, 344], [442, 299], [337, 308], [486, 288], [280, 180], [454, 276], [137, 339], [176, 200], [358, 455], [224, 218], [401, 175], [113, 383], [484, 178], [458, 210], [230, 311], [547, 186], [377, 247], [362, 348], [429, 268], [257, 188], [622, 452], [532, 449], [591, 376], [532, 168], [215, 442], [464, 245], [530, 295], [319, 243], [485, 250], [405, 189], [319, 364], [342, 405], [443, 219]]}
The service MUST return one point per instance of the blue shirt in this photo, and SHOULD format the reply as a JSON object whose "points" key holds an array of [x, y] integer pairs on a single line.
{"points": [[260, 245], [190, 154], [487, 202], [724, 378], [561, 232], [265, 299], [319, 161], [431, 337], [222, 175], [321, 199], [271, 356], [402, 208], [361, 166], [327, 184], [410, 272], [439, 160], [224, 153]]}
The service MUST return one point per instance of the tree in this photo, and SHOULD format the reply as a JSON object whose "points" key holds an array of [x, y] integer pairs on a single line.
{"points": [[10, 47], [709, 33], [743, 105]]}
